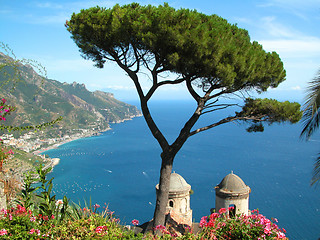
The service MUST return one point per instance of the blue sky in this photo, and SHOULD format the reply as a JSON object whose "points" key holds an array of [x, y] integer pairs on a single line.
{"points": [[35, 30]]}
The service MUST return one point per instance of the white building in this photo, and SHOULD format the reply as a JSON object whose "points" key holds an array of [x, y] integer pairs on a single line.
{"points": [[179, 200], [233, 192]]}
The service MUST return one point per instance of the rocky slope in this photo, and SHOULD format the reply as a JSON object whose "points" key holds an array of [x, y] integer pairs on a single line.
{"points": [[40, 100]]}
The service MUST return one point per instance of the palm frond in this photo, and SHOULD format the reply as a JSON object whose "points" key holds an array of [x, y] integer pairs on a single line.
{"points": [[316, 172], [311, 110]]}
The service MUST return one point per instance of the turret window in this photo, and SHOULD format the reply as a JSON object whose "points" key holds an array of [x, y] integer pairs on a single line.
{"points": [[232, 210]]}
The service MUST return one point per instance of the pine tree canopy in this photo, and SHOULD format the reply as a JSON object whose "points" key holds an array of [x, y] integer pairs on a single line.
{"points": [[206, 49]]}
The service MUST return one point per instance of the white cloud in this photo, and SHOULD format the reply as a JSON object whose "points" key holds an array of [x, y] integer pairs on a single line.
{"points": [[297, 7], [50, 19], [294, 3], [243, 20], [67, 64], [120, 87], [287, 40], [75, 5], [275, 29], [50, 12], [296, 88], [300, 47], [4, 11], [49, 5]]}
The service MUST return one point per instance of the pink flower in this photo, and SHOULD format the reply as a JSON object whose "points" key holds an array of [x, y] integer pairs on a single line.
{"points": [[135, 222], [4, 211], [19, 207], [230, 208], [160, 227], [267, 229], [36, 231], [33, 219], [203, 221], [10, 216], [100, 229], [4, 101], [52, 216], [222, 210], [281, 235], [3, 232], [96, 205], [214, 215]]}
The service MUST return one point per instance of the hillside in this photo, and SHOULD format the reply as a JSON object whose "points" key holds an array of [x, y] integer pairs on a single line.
{"points": [[40, 100]]}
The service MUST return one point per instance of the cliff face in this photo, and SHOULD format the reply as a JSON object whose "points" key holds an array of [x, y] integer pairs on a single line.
{"points": [[41, 100]]}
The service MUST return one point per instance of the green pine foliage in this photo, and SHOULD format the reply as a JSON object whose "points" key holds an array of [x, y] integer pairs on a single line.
{"points": [[270, 111], [184, 41]]}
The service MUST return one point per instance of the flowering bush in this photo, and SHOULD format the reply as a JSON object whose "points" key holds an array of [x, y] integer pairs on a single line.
{"points": [[20, 223], [4, 111], [85, 223], [254, 226]]}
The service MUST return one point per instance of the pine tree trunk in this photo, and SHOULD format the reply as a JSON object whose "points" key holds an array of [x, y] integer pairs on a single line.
{"points": [[163, 192]]}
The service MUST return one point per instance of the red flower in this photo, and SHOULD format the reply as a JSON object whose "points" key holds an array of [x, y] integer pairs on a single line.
{"points": [[160, 227], [135, 222], [203, 221], [230, 208], [96, 205], [101, 229], [222, 210]]}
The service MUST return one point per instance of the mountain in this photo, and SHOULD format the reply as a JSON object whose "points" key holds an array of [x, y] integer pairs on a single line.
{"points": [[39, 100]]}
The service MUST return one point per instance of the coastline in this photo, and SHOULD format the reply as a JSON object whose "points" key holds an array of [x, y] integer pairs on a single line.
{"points": [[71, 138], [55, 161]]}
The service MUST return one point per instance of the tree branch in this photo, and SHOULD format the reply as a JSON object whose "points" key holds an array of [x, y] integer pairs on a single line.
{"points": [[227, 120], [144, 106], [191, 90], [156, 84], [185, 131], [223, 106], [136, 54]]}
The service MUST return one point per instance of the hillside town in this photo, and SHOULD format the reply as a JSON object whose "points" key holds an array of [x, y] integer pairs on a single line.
{"points": [[36, 143]]}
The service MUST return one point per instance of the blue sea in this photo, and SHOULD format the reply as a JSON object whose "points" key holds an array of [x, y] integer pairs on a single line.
{"points": [[120, 168]]}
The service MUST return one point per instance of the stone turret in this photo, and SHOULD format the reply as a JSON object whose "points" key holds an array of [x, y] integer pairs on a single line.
{"points": [[233, 192], [179, 200]]}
